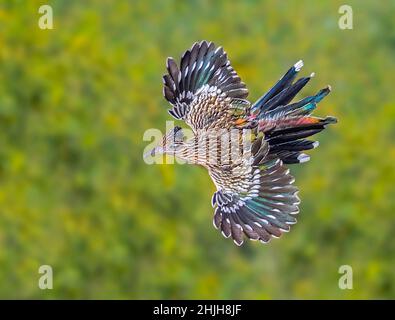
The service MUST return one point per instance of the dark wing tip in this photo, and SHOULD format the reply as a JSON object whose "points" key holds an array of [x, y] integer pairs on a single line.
{"points": [[330, 119]]}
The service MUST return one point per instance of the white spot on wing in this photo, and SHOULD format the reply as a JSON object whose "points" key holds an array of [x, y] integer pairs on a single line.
{"points": [[303, 158]]}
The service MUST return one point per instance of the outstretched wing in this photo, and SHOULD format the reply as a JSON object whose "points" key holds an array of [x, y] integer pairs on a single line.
{"points": [[203, 87], [255, 198]]}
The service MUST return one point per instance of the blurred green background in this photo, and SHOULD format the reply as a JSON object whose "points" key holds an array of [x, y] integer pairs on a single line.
{"points": [[76, 194]]}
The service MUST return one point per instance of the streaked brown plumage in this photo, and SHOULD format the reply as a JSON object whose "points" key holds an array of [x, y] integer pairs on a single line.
{"points": [[244, 147]]}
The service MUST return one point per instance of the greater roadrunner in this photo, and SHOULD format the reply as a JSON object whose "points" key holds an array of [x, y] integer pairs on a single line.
{"points": [[255, 194]]}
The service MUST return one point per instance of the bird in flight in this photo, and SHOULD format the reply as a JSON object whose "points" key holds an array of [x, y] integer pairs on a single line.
{"points": [[245, 147]]}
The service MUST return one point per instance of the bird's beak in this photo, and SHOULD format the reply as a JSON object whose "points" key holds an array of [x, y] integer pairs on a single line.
{"points": [[149, 153], [153, 152]]}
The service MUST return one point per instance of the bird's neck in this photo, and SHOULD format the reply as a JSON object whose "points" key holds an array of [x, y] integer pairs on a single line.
{"points": [[208, 150]]}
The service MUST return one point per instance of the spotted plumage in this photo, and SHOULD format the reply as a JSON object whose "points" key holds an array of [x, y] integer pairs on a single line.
{"points": [[245, 147]]}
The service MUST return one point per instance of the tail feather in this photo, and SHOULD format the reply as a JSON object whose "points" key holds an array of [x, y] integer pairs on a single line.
{"points": [[298, 145], [303, 107], [286, 124], [286, 95], [284, 82]]}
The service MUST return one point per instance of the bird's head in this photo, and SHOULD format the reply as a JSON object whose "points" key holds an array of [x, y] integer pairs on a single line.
{"points": [[170, 143]]}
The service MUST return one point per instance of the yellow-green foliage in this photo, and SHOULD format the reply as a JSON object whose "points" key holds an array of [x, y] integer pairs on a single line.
{"points": [[76, 194]]}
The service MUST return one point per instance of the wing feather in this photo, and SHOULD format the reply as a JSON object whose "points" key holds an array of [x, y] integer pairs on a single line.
{"points": [[203, 69], [255, 198]]}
